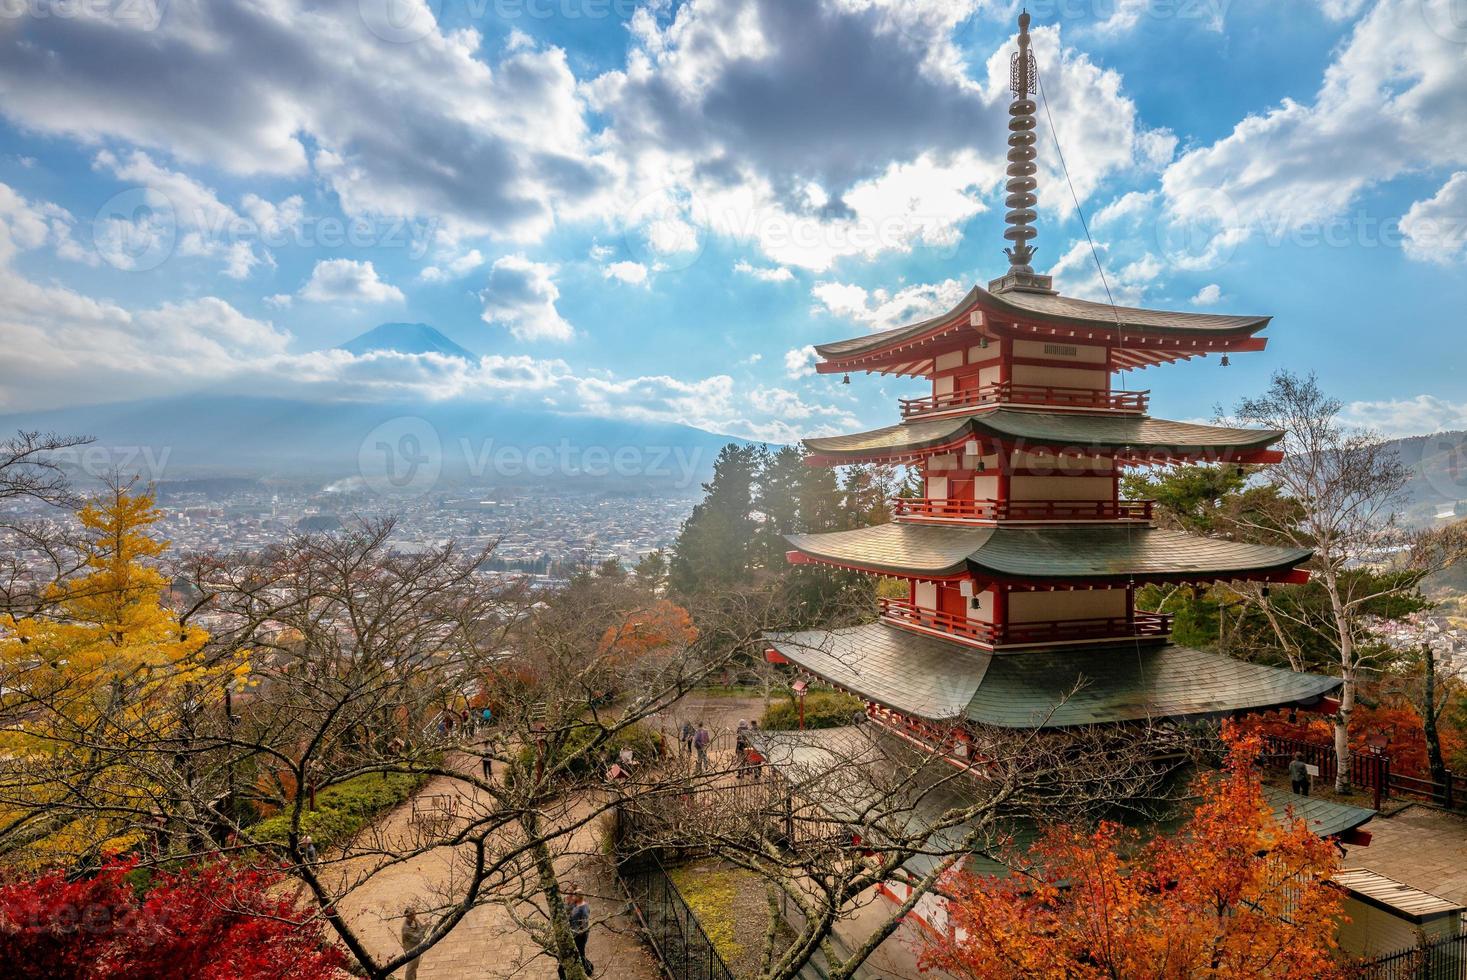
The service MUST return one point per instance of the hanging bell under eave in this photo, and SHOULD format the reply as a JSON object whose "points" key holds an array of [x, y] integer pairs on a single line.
{"points": [[846, 380], [1225, 361]]}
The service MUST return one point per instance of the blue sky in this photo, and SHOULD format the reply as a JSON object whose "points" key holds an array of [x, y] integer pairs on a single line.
{"points": [[651, 210]]}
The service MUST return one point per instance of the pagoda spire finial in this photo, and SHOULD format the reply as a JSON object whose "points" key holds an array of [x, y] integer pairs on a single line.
{"points": [[1023, 78], [1024, 81]]}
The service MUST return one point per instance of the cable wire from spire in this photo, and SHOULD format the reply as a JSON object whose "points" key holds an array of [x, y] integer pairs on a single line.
{"points": [[1094, 253]]}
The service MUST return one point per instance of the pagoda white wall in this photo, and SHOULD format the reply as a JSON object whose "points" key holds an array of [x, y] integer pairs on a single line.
{"points": [[1061, 487], [1032, 607], [925, 595], [1059, 377]]}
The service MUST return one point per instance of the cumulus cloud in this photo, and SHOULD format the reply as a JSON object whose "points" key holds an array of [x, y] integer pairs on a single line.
{"points": [[1075, 273], [487, 147], [763, 273], [632, 273], [454, 268], [190, 216], [1209, 295], [26, 225], [521, 296], [1394, 99], [881, 308], [1416, 416], [348, 281], [1435, 230], [800, 362]]}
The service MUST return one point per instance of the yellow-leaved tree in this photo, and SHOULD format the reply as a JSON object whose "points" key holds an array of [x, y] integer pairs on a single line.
{"points": [[93, 691]]}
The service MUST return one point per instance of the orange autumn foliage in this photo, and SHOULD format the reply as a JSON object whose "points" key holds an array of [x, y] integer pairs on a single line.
{"points": [[1397, 721], [1233, 894], [660, 626]]}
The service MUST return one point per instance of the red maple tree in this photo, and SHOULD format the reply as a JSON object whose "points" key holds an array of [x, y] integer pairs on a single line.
{"points": [[1232, 894], [212, 921]]}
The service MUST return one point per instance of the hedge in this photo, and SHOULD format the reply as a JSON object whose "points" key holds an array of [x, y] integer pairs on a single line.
{"points": [[823, 709], [344, 809]]}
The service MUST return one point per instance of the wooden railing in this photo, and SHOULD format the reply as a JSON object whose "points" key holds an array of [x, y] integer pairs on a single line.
{"points": [[945, 508], [1142, 624], [1369, 769], [1018, 394]]}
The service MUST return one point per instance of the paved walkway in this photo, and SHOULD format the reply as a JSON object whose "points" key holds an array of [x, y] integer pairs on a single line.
{"points": [[1420, 846], [489, 943]]}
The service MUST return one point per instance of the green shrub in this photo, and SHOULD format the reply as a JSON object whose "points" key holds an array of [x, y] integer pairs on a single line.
{"points": [[580, 761], [823, 709], [344, 809]]}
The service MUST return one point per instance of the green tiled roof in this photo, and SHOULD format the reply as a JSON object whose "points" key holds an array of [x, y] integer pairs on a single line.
{"points": [[1325, 817], [1094, 552], [1058, 310], [812, 762], [941, 680], [1120, 432]]}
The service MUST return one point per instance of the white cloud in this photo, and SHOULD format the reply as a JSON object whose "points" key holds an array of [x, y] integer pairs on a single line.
{"points": [[485, 147], [633, 273], [764, 273], [1416, 416], [880, 308], [1075, 274], [521, 295], [454, 268], [1435, 230], [348, 281], [1393, 100], [1209, 295], [185, 216], [27, 225], [800, 362], [280, 301]]}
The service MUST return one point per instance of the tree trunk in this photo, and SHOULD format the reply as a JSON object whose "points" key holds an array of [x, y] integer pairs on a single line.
{"points": [[561, 942], [1347, 676], [1437, 764]]}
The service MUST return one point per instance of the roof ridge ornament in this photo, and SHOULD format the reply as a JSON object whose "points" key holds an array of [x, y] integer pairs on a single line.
{"points": [[1023, 81]]}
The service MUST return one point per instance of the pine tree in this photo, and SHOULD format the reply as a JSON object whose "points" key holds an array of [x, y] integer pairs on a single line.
{"points": [[715, 545]]}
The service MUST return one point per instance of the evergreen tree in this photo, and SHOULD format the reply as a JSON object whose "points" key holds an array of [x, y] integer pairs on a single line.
{"points": [[716, 543]]}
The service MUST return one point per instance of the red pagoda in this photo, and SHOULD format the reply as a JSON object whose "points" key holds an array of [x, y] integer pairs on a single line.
{"points": [[1021, 560]]}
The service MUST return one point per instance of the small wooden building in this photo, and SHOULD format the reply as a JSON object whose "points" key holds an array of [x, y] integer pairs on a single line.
{"points": [[1385, 915]]}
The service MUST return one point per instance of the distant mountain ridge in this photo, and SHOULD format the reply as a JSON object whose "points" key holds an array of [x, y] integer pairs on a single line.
{"points": [[406, 338], [216, 437]]}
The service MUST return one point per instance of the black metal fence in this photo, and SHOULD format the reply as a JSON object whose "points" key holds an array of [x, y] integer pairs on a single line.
{"points": [[1439, 959], [670, 926]]}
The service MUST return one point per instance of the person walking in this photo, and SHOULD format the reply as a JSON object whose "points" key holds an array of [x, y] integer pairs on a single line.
{"points": [[1299, 775], [685, 738], [414, 931], [580, 923], [741, 744], [487, 763], [308, 850], [701, 738]]}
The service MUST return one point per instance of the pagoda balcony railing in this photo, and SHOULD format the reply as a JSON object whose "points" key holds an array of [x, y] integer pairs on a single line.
{"points": [[953, 509], [1141, 625], [1006, 392]]}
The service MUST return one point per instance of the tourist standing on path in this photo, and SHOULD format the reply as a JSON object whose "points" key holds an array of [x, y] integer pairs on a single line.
{"points": [[1299, 775], [580, 923], [685, 738], [414, 931], [308, 850], [701, 738], [488, 765]]}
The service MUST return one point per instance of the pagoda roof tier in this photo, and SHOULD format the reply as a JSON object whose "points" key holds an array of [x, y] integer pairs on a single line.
{"points": [[1087, 553], [1130, 437], [1137, 337], [941, 681]]}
